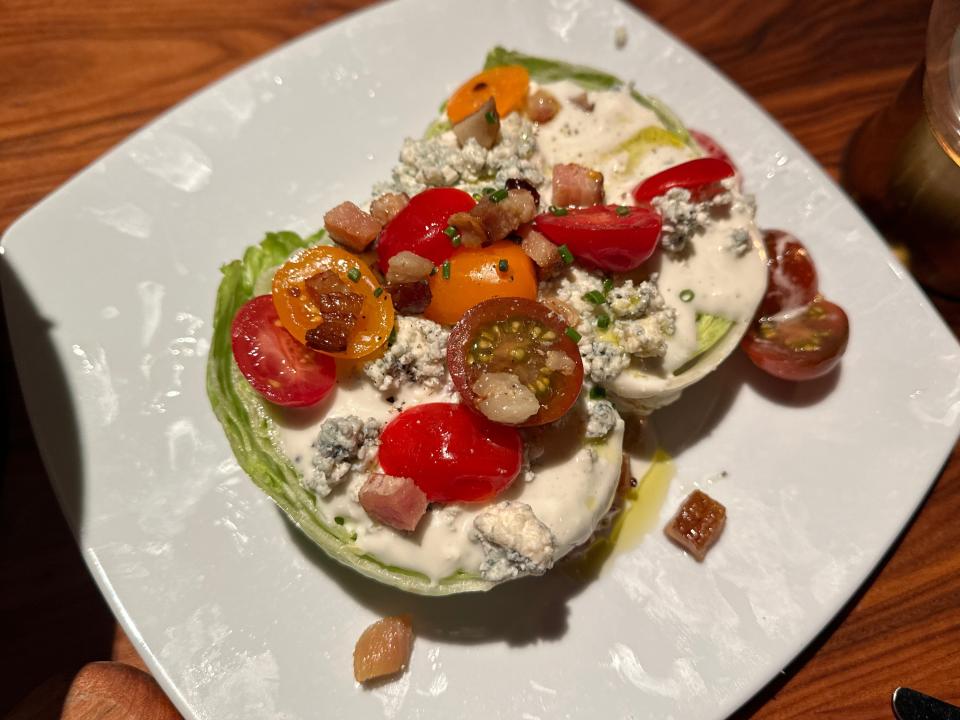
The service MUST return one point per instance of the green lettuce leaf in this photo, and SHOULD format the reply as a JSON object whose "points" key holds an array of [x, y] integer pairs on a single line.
{"points": [[251, 432], [544, 70], [711, 329]]}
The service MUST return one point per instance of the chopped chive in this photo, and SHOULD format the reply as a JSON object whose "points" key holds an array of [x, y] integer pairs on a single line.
{"points": [[558, 211], [603, 321], [503, 265], [488, 190], [565, 254], [573, 334], [622, 210], [445, 271], [354, 274], [477, 196], [607, 285], [450, 231], [456, 241], [498, 195], [490, 117], [434, 271], [393, 337], [338, 520], [378, 292], [597, 393], [686, 295], [594, 296]]}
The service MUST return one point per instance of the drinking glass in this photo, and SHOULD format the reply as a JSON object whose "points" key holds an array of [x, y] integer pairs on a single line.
{"points": [[903, 165]]}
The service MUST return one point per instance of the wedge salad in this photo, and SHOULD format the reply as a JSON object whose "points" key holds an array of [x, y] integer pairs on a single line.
{"points": [[556, 257]]}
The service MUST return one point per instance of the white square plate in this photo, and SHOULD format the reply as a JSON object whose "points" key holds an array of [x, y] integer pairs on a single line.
{"points": [[109, 287]]}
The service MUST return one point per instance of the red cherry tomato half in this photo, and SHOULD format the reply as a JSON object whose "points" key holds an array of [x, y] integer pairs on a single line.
{"points": [[710, 146], [611, 237], [450, 452], [517, 336], [802, 344], [419, 226], [699, 176], [792, 275], [281, 369]]}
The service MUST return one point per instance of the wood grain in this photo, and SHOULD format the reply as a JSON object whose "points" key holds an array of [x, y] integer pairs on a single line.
{"points": [[76, 78]]}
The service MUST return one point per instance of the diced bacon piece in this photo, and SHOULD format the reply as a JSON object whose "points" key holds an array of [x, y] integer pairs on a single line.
{"points": [[339, 307], [470, 228], [543, 252], [410, 298], [393, 501], [386, 207], [697, 524], [383, 648], [351, 226], [542, 106], [408, 267], [576, 185], [582, 101], [499, 219], [482, 126]]}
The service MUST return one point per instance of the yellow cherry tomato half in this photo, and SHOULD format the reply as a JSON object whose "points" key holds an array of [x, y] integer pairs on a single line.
{"points": [[477, 274], [298, 314], [507, 85]]}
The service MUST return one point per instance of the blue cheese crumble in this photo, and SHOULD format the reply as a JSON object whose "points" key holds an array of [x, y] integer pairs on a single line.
{"points": [[514, 541], [638, 320], [683, 218], [344, 444], [601, 418], [439, 161], [418, 355]]}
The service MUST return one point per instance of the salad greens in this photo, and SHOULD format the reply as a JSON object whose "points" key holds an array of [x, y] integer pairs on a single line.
{"points": [[246, 417], [251, 431]]}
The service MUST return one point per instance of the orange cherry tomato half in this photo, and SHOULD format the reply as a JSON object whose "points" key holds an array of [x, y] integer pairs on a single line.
{"points": [[799, 344], [298, 313], [477, 274], [507, 85], [522, 337]]}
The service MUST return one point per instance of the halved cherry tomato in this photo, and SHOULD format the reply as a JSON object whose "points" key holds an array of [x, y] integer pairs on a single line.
{"points": [[476, 275], [507, 85], [298, 313], [515, 335], [792, 276], [799, 344], [419, 226], [450, 452], [710, 146], [282, 370], [699, 176], [610, 237]]}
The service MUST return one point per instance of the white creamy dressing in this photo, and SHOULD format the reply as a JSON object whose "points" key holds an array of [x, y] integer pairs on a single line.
{"points": [[574, 482], [723, 283], [572, 487]]}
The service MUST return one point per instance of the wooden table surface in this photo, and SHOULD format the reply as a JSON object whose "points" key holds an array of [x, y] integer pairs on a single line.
{"points": [[76, 78]]}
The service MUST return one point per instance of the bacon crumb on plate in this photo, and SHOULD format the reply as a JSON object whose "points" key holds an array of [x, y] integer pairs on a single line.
{"points": [[576, 185], [697, 524], [393, 501], [352, 227], [383, 648]]}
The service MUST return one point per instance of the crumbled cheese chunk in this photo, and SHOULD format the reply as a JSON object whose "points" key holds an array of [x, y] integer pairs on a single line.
{"points": [[739, 241], [602, 418], [418, 355], [439, 162], [639, 320], [344, 444], [514, 541], [683, 218]]}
